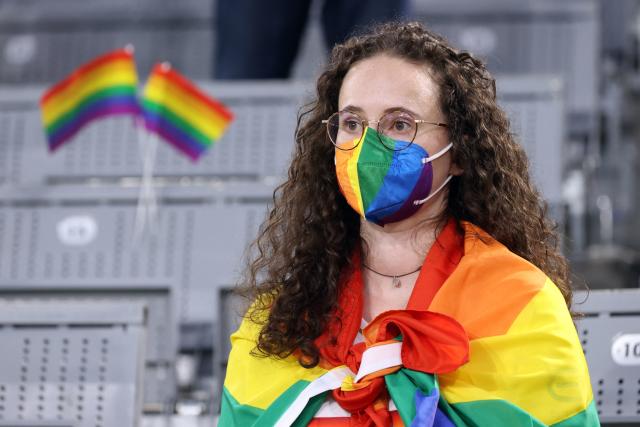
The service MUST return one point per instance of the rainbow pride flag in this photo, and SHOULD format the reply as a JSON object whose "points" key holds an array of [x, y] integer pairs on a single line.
{"points": [[103, 87], [486, 340], [181, 113]]}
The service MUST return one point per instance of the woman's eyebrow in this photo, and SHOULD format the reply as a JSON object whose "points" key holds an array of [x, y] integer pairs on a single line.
{"points": [[356, 109], [352, 108], [403, 109]]}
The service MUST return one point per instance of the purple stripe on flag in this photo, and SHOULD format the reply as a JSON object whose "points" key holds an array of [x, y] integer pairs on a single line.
{"points": [[441, 420], [173, 135], [426, 407], [102, 108]]}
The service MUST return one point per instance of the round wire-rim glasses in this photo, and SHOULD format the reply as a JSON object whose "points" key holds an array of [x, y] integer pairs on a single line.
{"points": [[346, 128]]}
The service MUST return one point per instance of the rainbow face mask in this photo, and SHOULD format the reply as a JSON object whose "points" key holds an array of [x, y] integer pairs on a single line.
{"points": [[383, 185]]}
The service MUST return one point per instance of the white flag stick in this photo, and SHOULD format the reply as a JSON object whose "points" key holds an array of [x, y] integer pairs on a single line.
{"points": [[147, 204]]}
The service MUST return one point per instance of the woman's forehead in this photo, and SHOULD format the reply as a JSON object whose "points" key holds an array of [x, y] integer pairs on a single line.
{"points": [[376, 84]]}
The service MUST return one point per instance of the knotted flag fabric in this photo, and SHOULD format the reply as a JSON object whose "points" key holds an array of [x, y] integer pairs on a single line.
{"points": [[524, 365], [181, 113], [104, 87]]}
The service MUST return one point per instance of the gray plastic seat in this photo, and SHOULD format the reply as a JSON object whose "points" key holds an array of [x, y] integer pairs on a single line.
{"points": [[69, 363], [161, 337], [610, 335]]}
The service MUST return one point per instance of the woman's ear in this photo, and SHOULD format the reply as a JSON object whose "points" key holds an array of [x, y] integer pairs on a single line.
{"points": [[455, 170]]}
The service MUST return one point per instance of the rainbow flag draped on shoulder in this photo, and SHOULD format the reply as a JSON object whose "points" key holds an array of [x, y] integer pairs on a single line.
{"points": [[486, 340], [174, 108], [103, 87]]}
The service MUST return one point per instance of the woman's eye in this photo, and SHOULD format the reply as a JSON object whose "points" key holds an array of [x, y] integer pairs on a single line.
{"points": [[401, 126], [351, 125]]}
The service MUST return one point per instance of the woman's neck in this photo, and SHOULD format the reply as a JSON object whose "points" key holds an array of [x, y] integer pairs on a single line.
{"points": [[387, 253], [402, 246], [397, 250]]}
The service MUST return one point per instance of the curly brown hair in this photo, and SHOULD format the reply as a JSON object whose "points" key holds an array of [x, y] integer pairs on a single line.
{"points": [[307, 240]]}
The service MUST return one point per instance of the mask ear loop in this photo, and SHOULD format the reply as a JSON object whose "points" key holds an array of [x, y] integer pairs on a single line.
{"points": [[438, 154], [446, 181], [420, 202]]}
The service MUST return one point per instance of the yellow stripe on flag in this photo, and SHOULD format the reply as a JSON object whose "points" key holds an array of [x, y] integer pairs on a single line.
{"points": [[201, 116], [538, 365], [352, 170], [121, 75]]}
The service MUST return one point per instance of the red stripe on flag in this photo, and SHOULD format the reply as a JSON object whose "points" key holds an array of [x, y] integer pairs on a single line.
{"points": [[121, 54]]}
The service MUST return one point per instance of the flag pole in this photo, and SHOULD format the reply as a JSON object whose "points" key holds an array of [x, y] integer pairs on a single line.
{"points": [[147, 201]]}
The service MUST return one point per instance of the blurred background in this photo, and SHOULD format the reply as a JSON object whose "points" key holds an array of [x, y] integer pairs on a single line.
{"points": [[99, 327]]}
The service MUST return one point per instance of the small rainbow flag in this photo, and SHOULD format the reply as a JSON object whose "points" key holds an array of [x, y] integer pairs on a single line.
{"points": [[103, 87], [181, 113]]}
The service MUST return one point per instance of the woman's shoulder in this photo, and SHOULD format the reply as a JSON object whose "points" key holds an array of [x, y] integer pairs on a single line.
{"points": [[482, 251], [525, 354], [254, 381], [491, 286], [488, 261]]}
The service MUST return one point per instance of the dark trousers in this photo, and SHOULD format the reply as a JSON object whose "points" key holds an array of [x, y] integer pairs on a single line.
{"points": [[259, 39]]}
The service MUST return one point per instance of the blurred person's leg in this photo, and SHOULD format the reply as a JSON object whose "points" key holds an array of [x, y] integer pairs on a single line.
{"points": [[258, 39], [341, 18]]}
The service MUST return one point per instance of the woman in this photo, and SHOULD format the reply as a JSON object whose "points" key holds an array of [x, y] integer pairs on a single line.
{"points": [[407, 273]]}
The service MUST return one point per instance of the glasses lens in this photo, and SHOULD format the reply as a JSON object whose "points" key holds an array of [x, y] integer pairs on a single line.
{"points": [[399, 129], [345, 130]]}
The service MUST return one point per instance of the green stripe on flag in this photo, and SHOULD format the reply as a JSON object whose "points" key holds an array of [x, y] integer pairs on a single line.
{"points": [[371, 180], [586, 418], [491, 413], [503, 413], [310, 410], [235, 414], [402, 386], [273, 413]]}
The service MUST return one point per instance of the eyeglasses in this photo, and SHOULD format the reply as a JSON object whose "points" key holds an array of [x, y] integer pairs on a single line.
{"points": [[345, 129]]}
